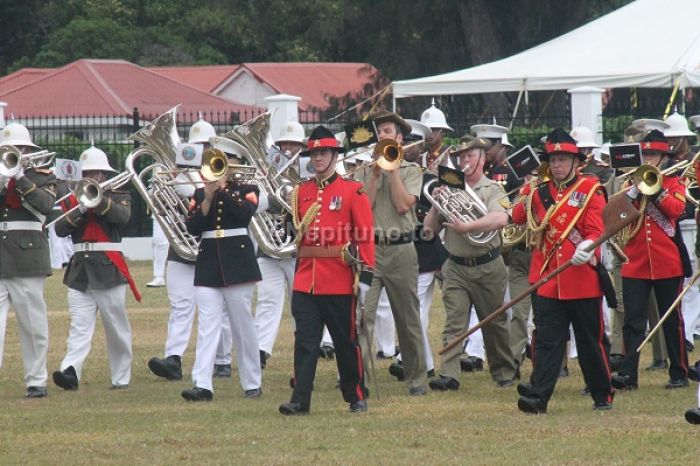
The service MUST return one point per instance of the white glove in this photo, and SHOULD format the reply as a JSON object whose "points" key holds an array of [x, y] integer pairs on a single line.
{"points": [[581, 256], [633, 192], [19, 174]]}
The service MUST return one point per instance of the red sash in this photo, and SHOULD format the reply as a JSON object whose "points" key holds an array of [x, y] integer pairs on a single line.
{"points": [[566, 214], [95, 234], [12, 199]]}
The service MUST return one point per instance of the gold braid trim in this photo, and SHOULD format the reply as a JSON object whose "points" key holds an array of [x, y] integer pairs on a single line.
{"points": [[302, 226], [536, 236]]}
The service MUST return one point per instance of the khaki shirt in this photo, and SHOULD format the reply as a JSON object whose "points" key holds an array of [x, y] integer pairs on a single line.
{"points": [[387, 221], [489, 192]]}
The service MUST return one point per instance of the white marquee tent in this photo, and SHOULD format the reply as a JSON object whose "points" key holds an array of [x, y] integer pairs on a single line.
{"points": [[647, 43]]}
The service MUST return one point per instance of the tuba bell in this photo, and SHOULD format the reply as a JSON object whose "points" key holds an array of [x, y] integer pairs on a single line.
{"points": [[159, 141]]}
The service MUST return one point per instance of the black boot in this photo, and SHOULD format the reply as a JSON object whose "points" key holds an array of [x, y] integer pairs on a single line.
{"points": [[169, 368], [67, 379]]}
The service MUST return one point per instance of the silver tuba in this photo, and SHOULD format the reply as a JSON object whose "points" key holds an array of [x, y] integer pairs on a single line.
{"points": [[159, 141], [269, 229], [463, 205]]}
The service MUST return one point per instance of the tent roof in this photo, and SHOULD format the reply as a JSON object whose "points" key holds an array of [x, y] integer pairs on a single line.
{"points": [[646, 43]]}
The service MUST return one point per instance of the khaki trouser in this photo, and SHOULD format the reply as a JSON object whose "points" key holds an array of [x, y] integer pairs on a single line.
{"points": [[482, 286], [396, 270], [618, 319], [518, 282]]}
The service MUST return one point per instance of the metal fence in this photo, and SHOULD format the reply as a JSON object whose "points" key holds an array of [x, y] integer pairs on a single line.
{"points": [[69, 136]]}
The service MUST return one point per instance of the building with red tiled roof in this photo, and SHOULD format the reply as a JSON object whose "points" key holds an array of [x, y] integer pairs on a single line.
{"points": [[106, 88], [250, 83]]}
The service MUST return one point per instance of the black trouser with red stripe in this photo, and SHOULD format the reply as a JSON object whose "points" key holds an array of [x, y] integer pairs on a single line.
{"points": [[552, 321], [311, 313], [635, 293]]}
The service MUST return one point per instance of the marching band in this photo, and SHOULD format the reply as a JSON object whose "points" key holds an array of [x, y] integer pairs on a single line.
{"points": [[411, 217]]}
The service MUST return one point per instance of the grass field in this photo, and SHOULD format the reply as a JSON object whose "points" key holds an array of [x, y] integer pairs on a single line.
{"points": [[480, 424]]}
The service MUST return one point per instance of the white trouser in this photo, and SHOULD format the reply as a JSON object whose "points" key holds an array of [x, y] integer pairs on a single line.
{"points": [[224, 348], [384, 328], [61, 248], [426, 286], [26, 295], [475, 342], [83, 308], [690, 307], [181, 289], [277, 276], [159, 242], [236, 301]]}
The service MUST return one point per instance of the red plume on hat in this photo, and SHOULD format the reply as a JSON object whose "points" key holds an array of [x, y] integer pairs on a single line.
{"points": [[320, 138]]}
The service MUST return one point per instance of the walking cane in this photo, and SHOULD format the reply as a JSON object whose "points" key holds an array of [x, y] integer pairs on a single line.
{"points": [[617, 214]]}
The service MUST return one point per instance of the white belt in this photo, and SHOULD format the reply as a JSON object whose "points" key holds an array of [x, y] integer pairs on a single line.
{"points": [[20, 225], [82, 247], [224, 233]]}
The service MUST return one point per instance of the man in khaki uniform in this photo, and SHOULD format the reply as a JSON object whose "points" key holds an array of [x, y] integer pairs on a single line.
{"points": [[474, 273], [393, 194]]}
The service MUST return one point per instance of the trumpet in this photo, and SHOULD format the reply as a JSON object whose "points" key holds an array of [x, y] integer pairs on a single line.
{"points": [[12, 160], [387, 155], [215, 166], [90, 193]]}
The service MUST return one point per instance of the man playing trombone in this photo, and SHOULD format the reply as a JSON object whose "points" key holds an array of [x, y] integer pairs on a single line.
{"points": [[654, 264], [27, 195], [97, 275]]}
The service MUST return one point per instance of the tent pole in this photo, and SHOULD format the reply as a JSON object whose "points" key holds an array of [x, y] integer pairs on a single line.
{"points": [[673, 97], [393, 104], [515, 110]]}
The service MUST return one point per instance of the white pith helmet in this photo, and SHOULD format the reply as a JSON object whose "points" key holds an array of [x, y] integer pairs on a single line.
{"points": [[292, 131], [433, 117], [95, 159], [16, 134], [677, 126], [584, 137], [200, 132]]}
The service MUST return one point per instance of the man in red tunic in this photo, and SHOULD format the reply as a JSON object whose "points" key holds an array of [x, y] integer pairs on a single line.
{"points": [[564, 217], [655, 264], [332, 215]]}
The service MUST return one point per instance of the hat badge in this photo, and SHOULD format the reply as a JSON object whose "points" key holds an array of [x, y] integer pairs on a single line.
{"points": [[647, 145], [317, 143], [290, 128], [195, 130], [557, 146]]}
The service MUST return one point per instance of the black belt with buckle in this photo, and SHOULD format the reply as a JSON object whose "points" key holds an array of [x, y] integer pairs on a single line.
{"points": [[474, 261], [403, 238]]}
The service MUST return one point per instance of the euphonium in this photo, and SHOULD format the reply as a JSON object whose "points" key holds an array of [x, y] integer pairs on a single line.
{"points": [[463, 205], [269, 229], [159, 141]]}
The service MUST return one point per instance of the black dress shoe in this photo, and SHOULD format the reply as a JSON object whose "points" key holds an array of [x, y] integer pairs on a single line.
{"points": [[67, 379], [431, 373], [36, 392], [689, 346], [197, 394], [293, 409], [358, 406], [169, 368], [602, 405], [443, 384], [253, 393], [396, 369], [694, 372], [563, 372], [222, 371], [693, 416], [531, 405], [616, 362], [119, 386], [506, 383], [677, 383], [327, 352], [585, 391], [381, 355], [658, 365], [471, 364], [623, 382], [525, 389]]}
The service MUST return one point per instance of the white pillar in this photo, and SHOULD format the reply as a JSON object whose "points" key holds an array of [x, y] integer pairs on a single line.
{"points": [[2, 114], [587, 109], [284, 108]]}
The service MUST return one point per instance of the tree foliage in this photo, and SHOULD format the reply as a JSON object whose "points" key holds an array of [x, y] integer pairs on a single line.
{"points": [[403, 39]]}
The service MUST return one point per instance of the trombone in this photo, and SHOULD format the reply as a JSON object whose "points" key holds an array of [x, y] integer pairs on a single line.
{"points": [[215, 166], [648, 178], [89, 193], [12, 160], [387, 153]]}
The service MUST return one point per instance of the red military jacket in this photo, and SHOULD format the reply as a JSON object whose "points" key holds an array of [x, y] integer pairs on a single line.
{"points": [[581, 200], [345, 216], [652, 252]]}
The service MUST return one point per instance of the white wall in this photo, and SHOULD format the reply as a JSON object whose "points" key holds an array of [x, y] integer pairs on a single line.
{"points": [[247, 89]]}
